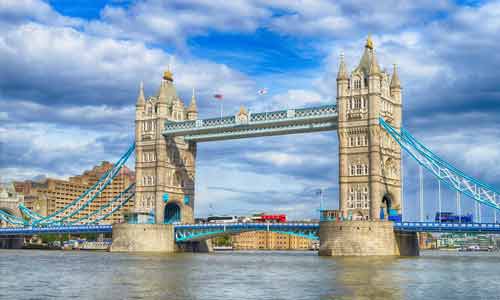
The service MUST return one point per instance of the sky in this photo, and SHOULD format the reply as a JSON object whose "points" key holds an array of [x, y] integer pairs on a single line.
{"points": [[70, 73]]}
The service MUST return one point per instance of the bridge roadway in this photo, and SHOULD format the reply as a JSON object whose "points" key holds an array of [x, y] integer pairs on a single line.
{"points": [[190, 232]]}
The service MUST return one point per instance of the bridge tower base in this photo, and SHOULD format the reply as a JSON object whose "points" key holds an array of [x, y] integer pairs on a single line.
{"points": [[143, 238], [11, 242], [204, 246], [365, 238]]}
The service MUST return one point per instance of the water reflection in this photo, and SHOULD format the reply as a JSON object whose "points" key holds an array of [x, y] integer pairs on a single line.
{"points": [[246, 275]]}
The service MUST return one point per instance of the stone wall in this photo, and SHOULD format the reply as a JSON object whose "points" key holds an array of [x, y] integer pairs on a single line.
{"points": [[363, 238], [143, 238]]}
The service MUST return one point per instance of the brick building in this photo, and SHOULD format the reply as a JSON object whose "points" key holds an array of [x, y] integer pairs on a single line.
{"points": [[268, 240]]}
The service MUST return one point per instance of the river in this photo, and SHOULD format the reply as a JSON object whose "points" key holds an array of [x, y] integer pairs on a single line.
{"points": [[34, 274]]}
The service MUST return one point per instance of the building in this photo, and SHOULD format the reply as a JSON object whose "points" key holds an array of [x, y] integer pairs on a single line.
{"points": [[50, 195], [165, 167], [9, 201], [268, 240], [369, 159]]}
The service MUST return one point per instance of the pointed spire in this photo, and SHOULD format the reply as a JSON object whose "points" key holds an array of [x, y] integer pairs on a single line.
{"points": [[192, 106], [141, 99], [395, 83], [342, 74], [374, 68]]}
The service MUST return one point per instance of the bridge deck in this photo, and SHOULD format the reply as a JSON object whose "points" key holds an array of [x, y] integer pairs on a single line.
{"points": [[281, 122], [285, 227]]}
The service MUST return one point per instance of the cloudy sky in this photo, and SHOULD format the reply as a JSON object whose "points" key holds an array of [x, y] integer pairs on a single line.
{"points": [[70, 71]]}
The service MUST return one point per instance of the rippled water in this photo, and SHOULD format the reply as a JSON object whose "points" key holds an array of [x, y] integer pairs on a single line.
{"points": [[29, 274]]}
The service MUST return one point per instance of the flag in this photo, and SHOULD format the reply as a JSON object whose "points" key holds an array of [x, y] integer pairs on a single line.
{"points": [[218, 96], [262, 91]]}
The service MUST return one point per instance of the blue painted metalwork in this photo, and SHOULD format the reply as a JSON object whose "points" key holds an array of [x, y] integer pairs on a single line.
{"points": [[29, 230], [444, 171], [108, 209], [11, 219], [192, 232], [447, 227], [83, 200], [256, 124]]}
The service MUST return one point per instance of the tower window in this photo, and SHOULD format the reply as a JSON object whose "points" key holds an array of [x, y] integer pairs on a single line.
{"points": [[357, 83]]}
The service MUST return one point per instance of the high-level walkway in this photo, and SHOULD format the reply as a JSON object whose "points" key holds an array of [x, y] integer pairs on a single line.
{"points": [[247, 124]]}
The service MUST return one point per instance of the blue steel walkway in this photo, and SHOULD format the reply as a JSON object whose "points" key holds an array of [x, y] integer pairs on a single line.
{"points": [[191, 232], [447, 227]]}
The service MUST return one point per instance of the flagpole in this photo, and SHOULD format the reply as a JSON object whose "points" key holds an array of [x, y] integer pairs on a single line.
{"points": [[221, 109]]}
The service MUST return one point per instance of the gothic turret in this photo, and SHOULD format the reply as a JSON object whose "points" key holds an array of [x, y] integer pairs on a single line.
{"points": [[342, 74], [395, 86], [395, 83], [192, 111], [141, 100], [374, 68]]}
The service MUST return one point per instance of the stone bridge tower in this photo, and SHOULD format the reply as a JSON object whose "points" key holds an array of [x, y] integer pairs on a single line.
{"points": [[369, 159], [165, 167]]}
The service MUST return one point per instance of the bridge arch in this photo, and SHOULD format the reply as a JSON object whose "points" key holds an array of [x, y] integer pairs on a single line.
{"points": [[387, 202], [172, 213], [201, 235]]}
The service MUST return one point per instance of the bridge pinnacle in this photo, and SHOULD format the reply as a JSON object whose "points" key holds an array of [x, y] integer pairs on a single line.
{"points": [[395, 83], [342, 74], [141, 99], [374, 68], [192, 106]]}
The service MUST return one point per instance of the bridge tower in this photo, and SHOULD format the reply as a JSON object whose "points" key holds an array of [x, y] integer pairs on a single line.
{"points": [[165, 167], [369, 159]]}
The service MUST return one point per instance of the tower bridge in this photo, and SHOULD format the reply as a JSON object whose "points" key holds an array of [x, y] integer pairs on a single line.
{"points": [[367, 117]]}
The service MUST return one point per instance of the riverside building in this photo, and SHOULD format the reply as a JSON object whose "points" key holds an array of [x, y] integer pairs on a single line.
{"points": [[49, 195]]}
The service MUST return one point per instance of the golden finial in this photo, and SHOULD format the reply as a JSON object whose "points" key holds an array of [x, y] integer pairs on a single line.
{"points": [[369, 42], [167, 75]]}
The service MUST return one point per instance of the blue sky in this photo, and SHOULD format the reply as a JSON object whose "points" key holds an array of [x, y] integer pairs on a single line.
{"points": [[70, 72]]}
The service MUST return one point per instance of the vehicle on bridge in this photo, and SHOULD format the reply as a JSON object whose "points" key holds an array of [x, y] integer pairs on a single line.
{"points": [[449, 217], [222, 219]]}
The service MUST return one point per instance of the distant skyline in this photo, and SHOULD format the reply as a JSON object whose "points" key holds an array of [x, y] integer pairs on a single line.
{"points": [[70, 74]]}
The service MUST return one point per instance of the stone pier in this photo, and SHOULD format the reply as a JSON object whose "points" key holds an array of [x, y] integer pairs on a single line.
{"points": [[143, 238], [365, 238]]}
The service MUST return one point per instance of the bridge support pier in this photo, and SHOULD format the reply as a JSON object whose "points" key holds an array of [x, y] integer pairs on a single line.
{"points": [[11, 242], [364, 238], [196, 246], [143, 238]]}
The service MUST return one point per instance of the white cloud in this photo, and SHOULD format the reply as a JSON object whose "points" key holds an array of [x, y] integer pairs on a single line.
{"points": [[16, 11], [282, 159]]}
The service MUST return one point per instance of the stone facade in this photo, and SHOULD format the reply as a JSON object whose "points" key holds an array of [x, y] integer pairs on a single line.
{"points": [[357, 238], [365, 238], [143, 238], [165, 167], [369, 159]]}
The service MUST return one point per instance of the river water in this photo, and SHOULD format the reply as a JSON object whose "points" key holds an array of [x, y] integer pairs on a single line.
{"points": [[32, 274]]}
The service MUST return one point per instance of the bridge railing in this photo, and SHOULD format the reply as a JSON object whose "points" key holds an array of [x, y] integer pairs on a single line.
{"points": [[253, 118]]}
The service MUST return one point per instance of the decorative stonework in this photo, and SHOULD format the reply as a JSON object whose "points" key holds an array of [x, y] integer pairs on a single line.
{"points": [[368, 157]]}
